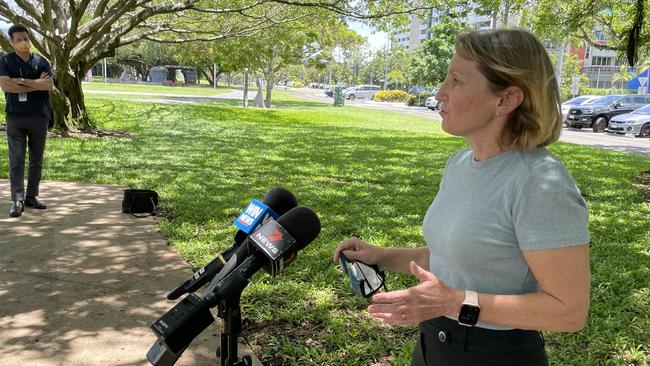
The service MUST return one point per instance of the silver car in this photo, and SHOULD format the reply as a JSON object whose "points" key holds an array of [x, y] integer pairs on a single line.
{"points": [[432, 103], [361, 91], [637, 123]]}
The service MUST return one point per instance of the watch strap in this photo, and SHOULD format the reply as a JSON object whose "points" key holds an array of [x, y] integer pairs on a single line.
{"points": [[471, 298]]}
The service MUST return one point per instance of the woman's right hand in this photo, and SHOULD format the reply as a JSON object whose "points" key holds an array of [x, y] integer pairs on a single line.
{"points": [[357, 249]]}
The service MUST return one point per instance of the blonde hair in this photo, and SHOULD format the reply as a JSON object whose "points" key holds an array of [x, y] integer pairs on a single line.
{"points": [[513, 57]]}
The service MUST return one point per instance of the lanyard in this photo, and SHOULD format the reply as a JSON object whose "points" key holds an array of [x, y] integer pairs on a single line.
{"points": [[20, 66]]}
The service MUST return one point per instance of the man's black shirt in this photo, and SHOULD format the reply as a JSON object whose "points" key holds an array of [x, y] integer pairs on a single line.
{"points": [[38, 101]]}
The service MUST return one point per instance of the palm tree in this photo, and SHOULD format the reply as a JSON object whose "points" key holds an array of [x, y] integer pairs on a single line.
{"points": [[622, 76]]}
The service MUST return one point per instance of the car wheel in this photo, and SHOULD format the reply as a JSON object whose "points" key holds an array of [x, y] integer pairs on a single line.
{"points": [[645, 130], [351, 97], [599, 124]]}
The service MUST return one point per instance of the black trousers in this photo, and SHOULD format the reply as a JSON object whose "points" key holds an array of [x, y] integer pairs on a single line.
{"points": [[443, 342], [25, 132]]}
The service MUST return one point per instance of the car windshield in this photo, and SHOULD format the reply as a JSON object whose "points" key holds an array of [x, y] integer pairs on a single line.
{"points": [[643, 110], [605, 100]]}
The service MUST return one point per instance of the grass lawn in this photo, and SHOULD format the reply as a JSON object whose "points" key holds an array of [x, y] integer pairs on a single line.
{"points": [[364, 172], [155, 89]]}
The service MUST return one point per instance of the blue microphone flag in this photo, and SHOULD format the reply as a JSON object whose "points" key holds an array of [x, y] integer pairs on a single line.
{"points": [[254, 215]]}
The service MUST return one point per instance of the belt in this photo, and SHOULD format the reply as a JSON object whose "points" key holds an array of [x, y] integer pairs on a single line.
{"points": [[475, 339]]}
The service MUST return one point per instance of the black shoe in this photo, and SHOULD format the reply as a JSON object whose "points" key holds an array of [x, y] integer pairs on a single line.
{"points": [[34, 203], [17, 209]]}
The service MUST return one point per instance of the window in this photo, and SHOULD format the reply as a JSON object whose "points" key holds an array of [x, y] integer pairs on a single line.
{"points": [[588, 52], [601, 61], [625, 102]]}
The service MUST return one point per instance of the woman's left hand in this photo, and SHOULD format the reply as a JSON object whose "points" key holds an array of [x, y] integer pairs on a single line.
{"points": [[429, 299]]}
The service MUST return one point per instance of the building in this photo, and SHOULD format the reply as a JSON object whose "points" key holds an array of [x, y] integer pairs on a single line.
{"points": [[599, 65], [420, 29]]}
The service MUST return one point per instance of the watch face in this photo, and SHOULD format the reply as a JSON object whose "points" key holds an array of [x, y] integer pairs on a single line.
{"points": [[468, 314]]}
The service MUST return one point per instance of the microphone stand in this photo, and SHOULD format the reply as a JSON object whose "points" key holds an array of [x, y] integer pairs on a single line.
{"points": [[230, 312]]}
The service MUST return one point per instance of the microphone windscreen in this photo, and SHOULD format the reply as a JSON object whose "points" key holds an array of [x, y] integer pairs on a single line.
{"points": [[280, 200], [240, 236], [303, 225]]}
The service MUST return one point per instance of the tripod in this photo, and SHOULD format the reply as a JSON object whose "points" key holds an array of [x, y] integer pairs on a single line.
{"points": [[230, 312]]}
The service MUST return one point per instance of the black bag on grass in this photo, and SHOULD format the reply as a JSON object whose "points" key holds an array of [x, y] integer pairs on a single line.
{"points": [[138, 201]]}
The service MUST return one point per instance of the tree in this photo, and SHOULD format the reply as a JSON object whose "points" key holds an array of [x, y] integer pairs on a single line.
{"points": [[272, 52], [619, 23], [570, 69], [429, 66], [75, 34], [622, 77]]}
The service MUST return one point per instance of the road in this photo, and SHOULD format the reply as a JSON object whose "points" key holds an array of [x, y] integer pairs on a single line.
{"points": [[626, 143]]}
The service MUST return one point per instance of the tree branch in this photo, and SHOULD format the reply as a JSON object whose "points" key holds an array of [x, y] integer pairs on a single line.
{"points": [[30, 10]]}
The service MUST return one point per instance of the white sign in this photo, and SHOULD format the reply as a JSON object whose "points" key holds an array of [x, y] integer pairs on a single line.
{"points": [[574, 85], [643, 80]]}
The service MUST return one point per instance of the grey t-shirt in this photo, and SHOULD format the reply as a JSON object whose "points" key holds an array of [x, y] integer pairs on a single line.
{"points": [[487, 212]]}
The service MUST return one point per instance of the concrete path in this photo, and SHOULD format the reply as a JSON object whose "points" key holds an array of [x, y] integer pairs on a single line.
{"points": [[80, 282]]}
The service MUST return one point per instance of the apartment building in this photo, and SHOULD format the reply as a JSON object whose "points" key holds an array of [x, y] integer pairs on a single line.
{"points": [[419, 29]]}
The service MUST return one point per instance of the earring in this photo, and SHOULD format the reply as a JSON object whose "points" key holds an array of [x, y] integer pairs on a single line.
{"points": [[498, 114]]}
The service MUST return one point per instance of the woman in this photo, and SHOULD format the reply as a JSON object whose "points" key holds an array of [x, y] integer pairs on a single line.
{"points": [[507, 251]]}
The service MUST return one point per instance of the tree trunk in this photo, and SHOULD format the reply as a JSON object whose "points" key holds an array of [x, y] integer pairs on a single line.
{"points": [[269, 89], [68, 104], [207, 75]]}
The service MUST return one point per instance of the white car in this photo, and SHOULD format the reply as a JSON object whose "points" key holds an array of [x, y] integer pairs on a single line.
{"points": [[432, 103], [637, 123], [361, 91], [583, 99]]}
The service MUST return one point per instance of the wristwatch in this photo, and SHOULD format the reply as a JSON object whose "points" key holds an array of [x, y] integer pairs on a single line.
{"points": [[469, 311], [21, 81]]}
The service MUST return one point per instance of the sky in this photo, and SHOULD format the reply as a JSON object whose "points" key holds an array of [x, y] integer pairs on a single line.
{"points": [[376, 41]]}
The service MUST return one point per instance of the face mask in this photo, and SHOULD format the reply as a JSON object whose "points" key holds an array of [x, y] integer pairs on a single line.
{"points": [[23, 46], [365, 279]]}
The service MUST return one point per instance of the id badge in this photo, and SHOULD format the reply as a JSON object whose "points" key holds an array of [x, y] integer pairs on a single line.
{"points": [[22, 97]]}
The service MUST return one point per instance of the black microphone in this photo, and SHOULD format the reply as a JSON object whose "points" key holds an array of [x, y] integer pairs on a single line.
{"points": [[278, 201], [273, 246]]}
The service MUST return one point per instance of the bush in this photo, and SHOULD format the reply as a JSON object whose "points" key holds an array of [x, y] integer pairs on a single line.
{"points": [[297, 84], [391, 96], [417, 100]]}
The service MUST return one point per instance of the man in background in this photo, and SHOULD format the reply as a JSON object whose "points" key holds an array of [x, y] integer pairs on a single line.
{"points": [[26, 79]]}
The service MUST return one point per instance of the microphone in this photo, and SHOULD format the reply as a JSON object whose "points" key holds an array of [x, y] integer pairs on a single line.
{"points": [[273, 246], [277, 202]]}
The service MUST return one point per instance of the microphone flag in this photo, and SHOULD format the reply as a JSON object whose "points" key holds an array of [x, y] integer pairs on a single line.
{"points": [[254, 214], [275, 242]]}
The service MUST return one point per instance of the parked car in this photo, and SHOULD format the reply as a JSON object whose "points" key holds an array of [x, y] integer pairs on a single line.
{"points": [[637, 123], [361, 91], [598, 113], [330, 90], [416, 90], [432, 103], [583, 99]]}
